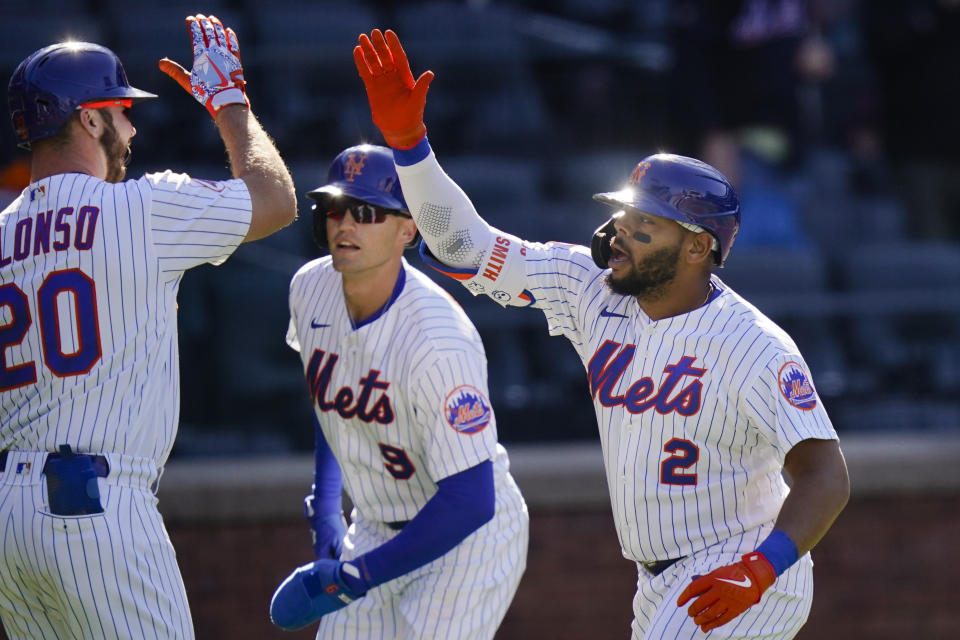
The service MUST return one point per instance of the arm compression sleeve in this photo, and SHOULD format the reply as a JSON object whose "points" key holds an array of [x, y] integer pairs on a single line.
{"points": [[447, 220], [327, 481], [462, 504]]}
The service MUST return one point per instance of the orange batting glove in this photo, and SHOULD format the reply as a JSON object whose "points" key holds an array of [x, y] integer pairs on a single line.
{"points": [[727, 592], [216, 79], [396, 101]]}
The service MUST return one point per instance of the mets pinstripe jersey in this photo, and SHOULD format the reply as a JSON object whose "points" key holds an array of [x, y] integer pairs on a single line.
{"points": [[403, 403], [402, 399], [89, 272], [696, 412]]}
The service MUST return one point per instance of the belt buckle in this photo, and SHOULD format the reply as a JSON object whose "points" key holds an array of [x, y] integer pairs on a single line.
{"points": [[657, 567]]}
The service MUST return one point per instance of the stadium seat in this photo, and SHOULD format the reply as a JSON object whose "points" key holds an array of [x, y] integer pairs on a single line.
{"points": [[150, 32], [504, 190], [23, 33], [579, 176], [907, 324], [302, 68], [489, 97], [441, 33], [791, 286]]}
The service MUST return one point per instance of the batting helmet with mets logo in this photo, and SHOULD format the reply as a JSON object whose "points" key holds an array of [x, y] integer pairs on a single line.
{"points": [[364, 172], [50, 84], [683, 189]]}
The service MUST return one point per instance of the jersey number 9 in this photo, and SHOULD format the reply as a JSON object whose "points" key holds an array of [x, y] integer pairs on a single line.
{"points": [[398, 463]]}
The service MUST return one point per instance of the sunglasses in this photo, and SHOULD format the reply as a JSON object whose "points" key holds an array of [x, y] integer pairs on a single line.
{"points": [[362, 212]]}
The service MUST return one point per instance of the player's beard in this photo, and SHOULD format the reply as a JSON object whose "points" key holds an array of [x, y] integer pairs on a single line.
{"points": [[649, 279], [118, 153]]}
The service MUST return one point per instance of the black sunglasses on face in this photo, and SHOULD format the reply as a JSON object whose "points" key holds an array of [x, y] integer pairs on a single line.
{"points": [[362, 212]]}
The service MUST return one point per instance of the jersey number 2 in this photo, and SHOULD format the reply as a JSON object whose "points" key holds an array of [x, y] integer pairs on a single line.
{"points": [[52, 309], [685, 455]]}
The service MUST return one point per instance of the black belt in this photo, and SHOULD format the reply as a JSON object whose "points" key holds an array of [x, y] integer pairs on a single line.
{"points": [[657, 567], [398, 525], [100, 465]]}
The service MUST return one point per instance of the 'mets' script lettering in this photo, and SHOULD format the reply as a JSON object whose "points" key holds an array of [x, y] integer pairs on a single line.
{"points": [[46, 232], [318, 378], [607, 367]]}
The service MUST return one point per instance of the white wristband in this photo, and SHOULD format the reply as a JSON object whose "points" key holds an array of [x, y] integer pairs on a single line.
{"points": [[228, 96]]}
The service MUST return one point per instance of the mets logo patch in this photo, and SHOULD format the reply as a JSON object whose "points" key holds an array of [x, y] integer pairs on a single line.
{"points": [[467, 410], [796, 387], [639, 172]]}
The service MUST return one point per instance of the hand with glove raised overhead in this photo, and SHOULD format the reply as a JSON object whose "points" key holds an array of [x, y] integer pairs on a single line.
{"points": [[216, 79], [396, 101]]}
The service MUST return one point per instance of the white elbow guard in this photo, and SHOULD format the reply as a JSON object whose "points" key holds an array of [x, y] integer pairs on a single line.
{"points": [[503, 273]]}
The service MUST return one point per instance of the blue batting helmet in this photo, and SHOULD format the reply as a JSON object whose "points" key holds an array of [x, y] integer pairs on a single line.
{"points": [[365, 172], [53, 82], [683, 189]]}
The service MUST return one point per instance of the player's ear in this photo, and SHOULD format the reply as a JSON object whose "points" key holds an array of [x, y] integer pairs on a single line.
{"points": [[699, 248], [90, 121], [408, 231]]}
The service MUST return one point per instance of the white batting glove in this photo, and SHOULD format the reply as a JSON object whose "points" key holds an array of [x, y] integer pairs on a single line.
{"points": [[216, 79]]}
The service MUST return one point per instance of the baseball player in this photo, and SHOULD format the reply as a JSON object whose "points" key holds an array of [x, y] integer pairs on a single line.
{"points": [[90, 265], [398, 380], [701, 401]]}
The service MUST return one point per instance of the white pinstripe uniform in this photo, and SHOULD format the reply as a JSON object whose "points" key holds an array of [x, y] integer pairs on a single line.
{"points": [[89, 273], [696, 412], [402, 401]]}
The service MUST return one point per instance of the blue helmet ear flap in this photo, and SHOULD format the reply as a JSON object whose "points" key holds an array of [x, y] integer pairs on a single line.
{"points": [[319, 211], [600, 244]]}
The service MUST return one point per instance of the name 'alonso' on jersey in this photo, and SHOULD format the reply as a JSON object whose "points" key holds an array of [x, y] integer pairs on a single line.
{"points": [[685, 405], [89, 273]]}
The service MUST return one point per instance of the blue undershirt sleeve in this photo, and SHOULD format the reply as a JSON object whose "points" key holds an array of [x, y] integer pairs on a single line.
{"points": [[327, 481], [463, 503]]}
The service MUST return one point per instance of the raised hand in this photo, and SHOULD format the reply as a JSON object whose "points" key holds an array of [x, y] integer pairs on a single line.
{"points": [[216, 79], [396, 101]]}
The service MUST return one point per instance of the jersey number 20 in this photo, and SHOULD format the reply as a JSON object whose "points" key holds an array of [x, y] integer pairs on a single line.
{"points": [[50, 305]]}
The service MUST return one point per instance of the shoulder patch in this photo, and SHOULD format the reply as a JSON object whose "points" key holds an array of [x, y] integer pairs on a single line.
{"points": [[467, 410], [796, 387]]}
